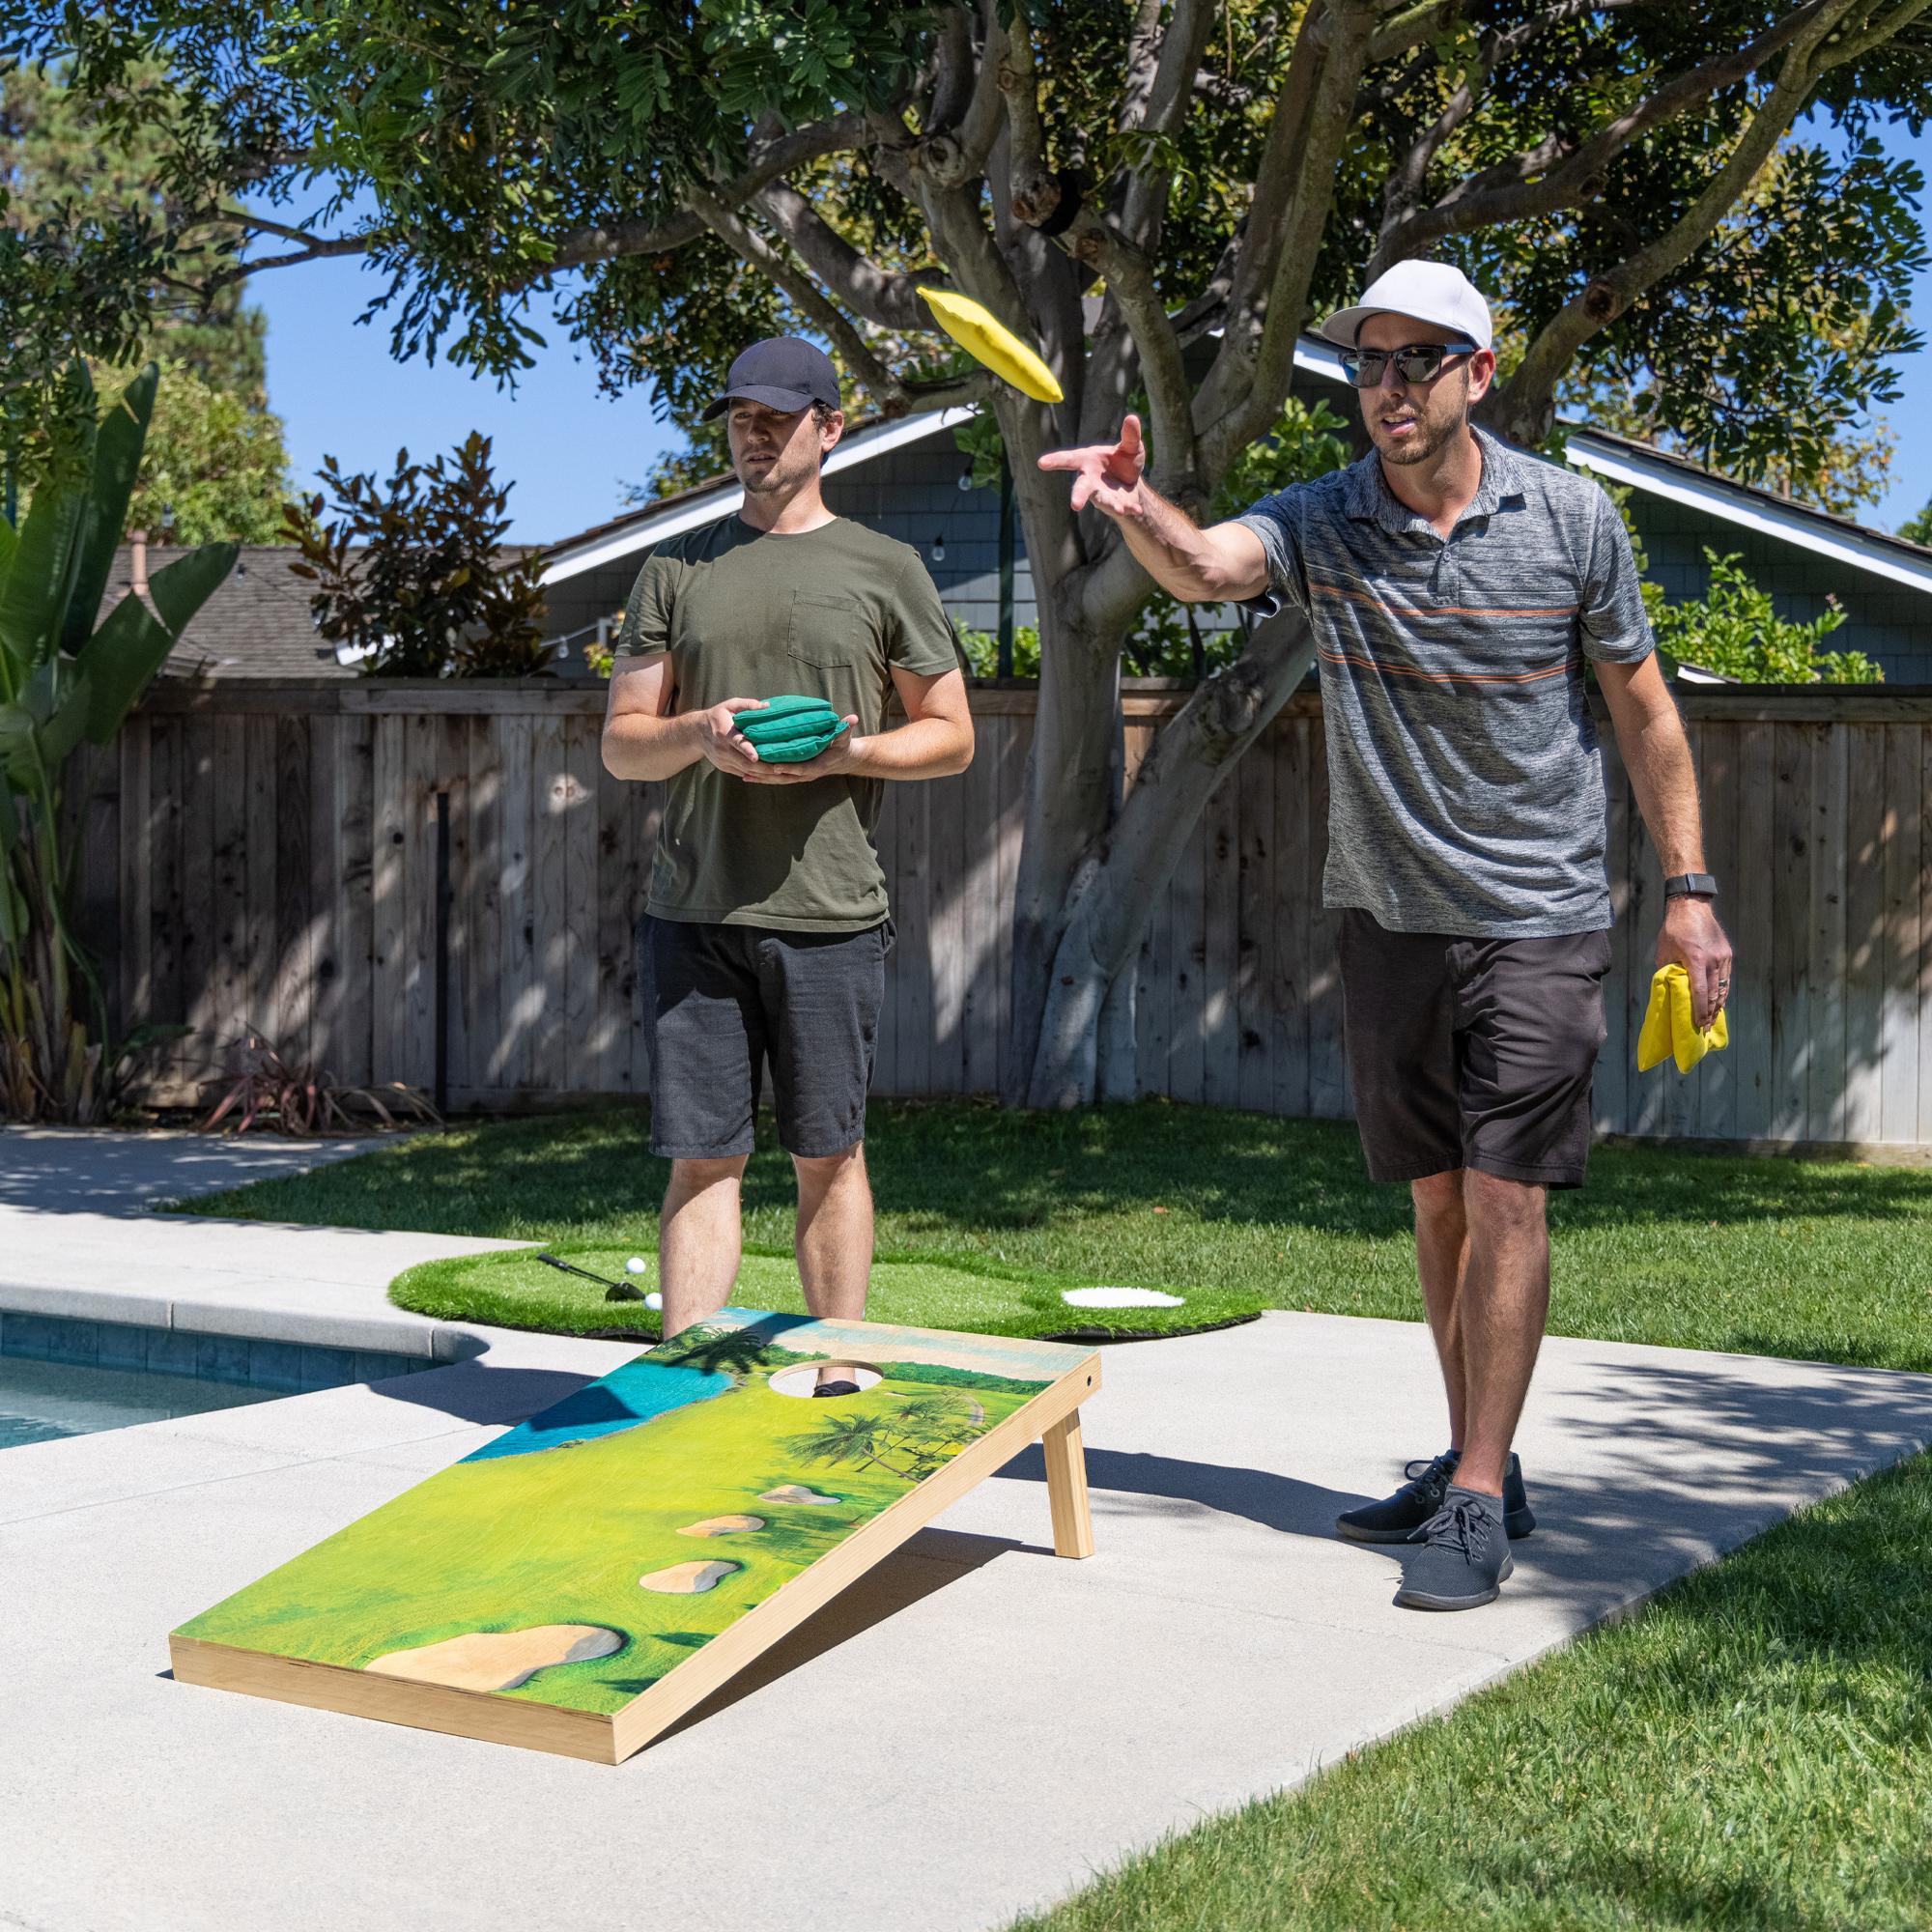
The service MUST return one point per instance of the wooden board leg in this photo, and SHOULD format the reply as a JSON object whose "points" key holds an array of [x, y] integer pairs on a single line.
{"points": [[1066, 1489]]}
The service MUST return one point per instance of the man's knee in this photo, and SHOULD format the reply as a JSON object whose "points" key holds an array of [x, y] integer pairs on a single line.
{"points": [[823, 1170], [693, 1177], [1438, 1196], [1494, 1202]]}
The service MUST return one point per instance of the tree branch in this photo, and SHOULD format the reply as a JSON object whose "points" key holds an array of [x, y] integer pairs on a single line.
{"points": [[1894, 23], [1170, 395], [805, 294], [879, 295], [953, 76], [1414, 27], [1143, 58], [1276, 179], [953, 156], [1473, 204], [1407, 182], [606, 241], [1172, 88], [1522, 410], [1251, 374], [1035, 190]]}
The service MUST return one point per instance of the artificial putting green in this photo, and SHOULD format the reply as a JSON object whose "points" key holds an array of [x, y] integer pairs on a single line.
{"points": [[517, 1291]]}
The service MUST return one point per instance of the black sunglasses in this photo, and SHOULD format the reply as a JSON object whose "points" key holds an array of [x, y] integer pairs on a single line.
{"points": [[1415, 362]]}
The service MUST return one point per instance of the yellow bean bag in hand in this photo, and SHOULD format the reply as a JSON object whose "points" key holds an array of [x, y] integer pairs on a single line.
{"points": [[1669, 1031], [990, 342]]}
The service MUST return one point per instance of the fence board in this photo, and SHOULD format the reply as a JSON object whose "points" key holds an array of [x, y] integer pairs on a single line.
{"points": [[549, 789], [1791, 933], [1865, 933], [230, 977], [1826, 897], [1255, 977], [1221, 940], [268, 854], [1327, 1060], [1716, 1075], [170, 1005], [1752, 937], [1288, 749], [1905, 884], [1187, 1046], [200, 1058], [354, 863]]}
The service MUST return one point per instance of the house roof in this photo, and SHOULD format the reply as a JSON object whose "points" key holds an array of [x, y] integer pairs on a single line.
{"points": [[718, 497], [1619, 459], [256, 623]]}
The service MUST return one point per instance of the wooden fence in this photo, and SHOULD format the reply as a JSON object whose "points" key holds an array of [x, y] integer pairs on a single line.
{"points": [[268, 854]]}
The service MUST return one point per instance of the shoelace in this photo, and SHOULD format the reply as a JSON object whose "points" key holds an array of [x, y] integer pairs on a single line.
{"points": [[1460, 1525], [1412, 1471], [1433, 1474]]}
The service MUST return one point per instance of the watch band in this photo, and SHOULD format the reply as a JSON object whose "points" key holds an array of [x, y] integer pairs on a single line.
{"points": [[1690, 886]]}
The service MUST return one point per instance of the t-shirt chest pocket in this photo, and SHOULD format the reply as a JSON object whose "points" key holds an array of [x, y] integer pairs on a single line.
{"points": [[828, 632]]}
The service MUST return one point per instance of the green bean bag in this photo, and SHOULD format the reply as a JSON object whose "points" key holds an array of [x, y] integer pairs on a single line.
{"points": [[789, 730]]}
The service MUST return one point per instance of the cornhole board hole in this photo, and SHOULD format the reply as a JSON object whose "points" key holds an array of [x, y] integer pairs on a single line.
{"points": [[581, 1581]]}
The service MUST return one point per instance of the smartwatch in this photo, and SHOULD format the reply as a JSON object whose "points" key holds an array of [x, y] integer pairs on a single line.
{"points": [[1690, 886]]}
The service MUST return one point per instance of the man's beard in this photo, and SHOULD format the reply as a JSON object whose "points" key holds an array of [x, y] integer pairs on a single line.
{"points": [[1428, 440]]}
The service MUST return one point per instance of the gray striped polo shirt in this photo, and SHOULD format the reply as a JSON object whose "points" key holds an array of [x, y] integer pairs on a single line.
{"points": [[1465, 786]]}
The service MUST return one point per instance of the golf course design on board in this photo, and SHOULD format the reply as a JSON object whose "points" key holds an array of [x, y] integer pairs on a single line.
{"points": [[578, 1559]]}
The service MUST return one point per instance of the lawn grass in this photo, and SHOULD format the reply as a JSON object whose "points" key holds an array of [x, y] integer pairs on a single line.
{"points": [[1754, 1752], [1823, 1260]]}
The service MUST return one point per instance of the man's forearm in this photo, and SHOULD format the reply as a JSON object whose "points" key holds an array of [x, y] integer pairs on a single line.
{"points": [[1657, 758], [1175, 551], [647, 748], [926, 748]]}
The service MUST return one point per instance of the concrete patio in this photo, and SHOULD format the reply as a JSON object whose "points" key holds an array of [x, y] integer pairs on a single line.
{"points": [[972, 1730]]}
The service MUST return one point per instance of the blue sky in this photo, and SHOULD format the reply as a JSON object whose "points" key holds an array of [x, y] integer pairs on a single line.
{"points": [[570, 449]]}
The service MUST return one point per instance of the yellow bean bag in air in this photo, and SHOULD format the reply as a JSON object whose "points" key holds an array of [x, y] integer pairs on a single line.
{"points": [[989, 341]]}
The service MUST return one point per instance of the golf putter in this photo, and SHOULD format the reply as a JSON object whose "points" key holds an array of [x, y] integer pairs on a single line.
{"points": [[613, 1291]]}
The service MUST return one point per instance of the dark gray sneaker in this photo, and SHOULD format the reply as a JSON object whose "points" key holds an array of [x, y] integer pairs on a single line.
{"points": [[1461, 1556], [1397, 1518], [1517, 1519]]}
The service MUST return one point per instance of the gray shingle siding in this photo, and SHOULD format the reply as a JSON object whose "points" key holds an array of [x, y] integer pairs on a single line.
{"points": [[1887, 621]]}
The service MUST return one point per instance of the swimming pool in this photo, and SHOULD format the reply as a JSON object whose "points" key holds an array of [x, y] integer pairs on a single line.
{"points": [[42, 1400], [68, 1375]]}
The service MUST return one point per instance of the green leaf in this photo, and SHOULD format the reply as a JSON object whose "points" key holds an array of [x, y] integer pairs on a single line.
{"points": [[9, 542], [116, 463], [131, 646], [36, 590]]}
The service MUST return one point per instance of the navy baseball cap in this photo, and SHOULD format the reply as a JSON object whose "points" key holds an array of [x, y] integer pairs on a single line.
{"points": [[784, 372]]}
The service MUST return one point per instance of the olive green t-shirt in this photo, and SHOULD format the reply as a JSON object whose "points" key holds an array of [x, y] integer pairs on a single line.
{"points": [[750, 613]]}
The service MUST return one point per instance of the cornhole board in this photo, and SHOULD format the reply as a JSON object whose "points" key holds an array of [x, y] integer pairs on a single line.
{"points": [[581, 1581]]}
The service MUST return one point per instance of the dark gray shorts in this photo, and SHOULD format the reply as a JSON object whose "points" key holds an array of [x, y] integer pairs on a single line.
{"points": [[1472, 1052], [719, 999]]}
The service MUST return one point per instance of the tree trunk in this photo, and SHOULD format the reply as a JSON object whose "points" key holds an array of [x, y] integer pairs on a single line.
{"points": [[1087, 1000], [1070, 802]]}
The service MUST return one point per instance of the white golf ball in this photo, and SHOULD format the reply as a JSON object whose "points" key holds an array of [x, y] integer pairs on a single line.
{"points": [[654, 1299], [636, 1264]]}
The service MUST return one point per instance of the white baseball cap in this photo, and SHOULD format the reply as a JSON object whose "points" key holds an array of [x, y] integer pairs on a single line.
{"points": [[1428, 291]]}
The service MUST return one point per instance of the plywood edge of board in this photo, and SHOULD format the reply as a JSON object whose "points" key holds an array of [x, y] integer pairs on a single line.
{"points": [[395, 1700], [654, 1711]]}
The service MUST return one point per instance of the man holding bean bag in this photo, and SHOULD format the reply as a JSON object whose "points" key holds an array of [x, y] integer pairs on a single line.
{"points": [[767, 926]]}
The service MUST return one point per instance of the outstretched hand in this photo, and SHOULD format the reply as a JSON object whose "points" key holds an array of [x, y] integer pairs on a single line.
{"points": [[1107, 475]]}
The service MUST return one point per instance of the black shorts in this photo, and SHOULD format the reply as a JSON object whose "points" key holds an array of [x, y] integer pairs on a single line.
{"points": [[1472, 1052], [719, 999]]}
